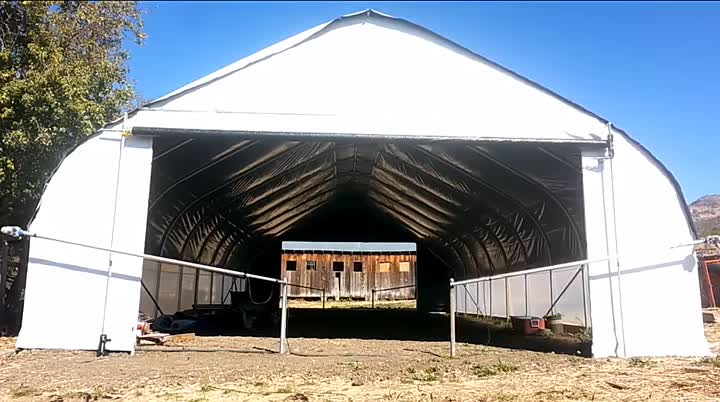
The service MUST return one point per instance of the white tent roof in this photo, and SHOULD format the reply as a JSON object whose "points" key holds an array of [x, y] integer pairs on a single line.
{"points": [[331, 78]]}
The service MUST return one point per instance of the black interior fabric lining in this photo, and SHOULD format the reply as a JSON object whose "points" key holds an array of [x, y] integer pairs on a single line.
{"points": [[477, 208], [470, 208]]}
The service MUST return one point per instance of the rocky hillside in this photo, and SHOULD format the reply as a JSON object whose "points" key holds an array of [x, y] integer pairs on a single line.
{"points": [[706, 214]]}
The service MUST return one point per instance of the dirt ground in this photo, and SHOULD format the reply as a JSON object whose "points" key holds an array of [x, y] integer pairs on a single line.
{"points": [[244, 368]]}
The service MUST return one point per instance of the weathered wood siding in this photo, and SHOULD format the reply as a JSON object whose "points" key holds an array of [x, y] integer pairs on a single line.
{"points": [[348, 283]]}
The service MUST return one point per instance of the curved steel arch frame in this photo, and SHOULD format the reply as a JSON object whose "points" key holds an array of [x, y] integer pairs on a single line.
{"points": [[479, 200]]}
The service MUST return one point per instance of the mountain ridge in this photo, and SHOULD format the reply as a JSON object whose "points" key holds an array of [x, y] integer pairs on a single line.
{"points": [[705, 212]]}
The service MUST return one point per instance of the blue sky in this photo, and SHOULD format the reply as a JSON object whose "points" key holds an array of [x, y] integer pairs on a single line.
{"points": [[650, 68]]}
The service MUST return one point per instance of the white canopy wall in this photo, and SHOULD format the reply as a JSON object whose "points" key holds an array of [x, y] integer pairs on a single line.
{"points": [[365, 76]]}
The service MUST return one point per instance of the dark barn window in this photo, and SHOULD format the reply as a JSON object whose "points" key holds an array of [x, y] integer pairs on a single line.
{"points": [[291, 265], [357, 266], [311, 266], [338, 266]]}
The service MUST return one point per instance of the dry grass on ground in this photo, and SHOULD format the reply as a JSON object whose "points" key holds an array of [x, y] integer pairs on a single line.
{"points": [[242, 369]]}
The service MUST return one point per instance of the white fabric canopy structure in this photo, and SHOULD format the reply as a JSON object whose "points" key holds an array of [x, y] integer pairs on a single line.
{"points": [[366, 126]]}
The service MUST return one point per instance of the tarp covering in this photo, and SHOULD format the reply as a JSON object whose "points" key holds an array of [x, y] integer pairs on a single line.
{"points": [[367, 128], [482, 208]]}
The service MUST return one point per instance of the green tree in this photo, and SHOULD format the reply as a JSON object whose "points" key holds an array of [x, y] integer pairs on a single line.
{"points": [[63, 74]]}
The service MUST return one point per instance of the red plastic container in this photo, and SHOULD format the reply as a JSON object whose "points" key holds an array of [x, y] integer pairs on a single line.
{"points": [[527, 325]]}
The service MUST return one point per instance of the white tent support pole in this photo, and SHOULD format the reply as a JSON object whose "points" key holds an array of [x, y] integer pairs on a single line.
{"points": [[453, 290], [283, 317], [611, 242], [103, 337]]}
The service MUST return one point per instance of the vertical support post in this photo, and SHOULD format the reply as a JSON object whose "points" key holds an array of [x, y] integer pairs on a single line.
{"points": [[527, 310], [477, 287], [283, 317], [212, 277], [485, 304], [490, 286], [507, 300], [157, 286], [323, 298], [552, 297], [582, 282], [197, 284], [708, 284], [452, 318], [465, 299], [180, 286], [373, 298]]}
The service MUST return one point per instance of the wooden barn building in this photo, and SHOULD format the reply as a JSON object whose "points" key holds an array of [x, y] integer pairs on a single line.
{"points": [[350, 270]]}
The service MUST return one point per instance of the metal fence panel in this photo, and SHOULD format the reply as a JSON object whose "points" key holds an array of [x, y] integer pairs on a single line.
{"points": [[150, 280], [217, 291], [538, 293], [516, 295], [227, 283], [461, 300], [187, 293], [498, 298], [563, 289], [570, 304], [169, 288], [203, 287]]}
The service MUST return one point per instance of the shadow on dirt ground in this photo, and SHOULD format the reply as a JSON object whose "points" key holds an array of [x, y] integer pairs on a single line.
{"points": [[403, 325]]}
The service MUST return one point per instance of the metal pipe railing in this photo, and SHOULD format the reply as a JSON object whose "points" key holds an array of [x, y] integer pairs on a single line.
{"points": [[374, 290], [531, 271], [553, 300], [311, 288], [15, 231], [711, 239], [163, 259], [583, 264]]}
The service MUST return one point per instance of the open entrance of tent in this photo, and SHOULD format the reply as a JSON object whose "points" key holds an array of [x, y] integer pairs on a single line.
{"points": [[473, 208]]}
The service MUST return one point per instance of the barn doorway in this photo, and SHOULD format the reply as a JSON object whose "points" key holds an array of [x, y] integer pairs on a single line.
{"points": [[472, 209]]}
